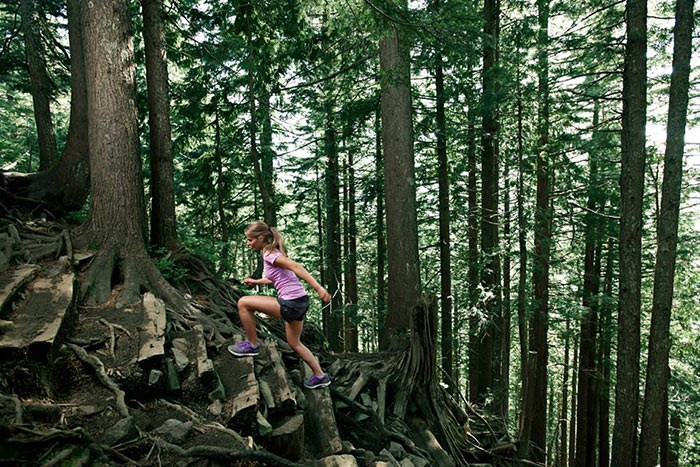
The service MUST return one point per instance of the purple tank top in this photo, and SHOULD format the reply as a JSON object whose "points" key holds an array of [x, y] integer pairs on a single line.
{"points": [[285, 281]]}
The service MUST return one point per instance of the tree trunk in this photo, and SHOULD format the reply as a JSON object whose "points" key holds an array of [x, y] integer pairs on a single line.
{"points": [[522, 257], [585, 431], [473, 249], [631, 206], [64, 186], [267, 153], [381, 244], [320, 219], [163, 229], [664, 270], [41, 84], [400, 186], [490, 280], [538, 347], [563, 445], [447, 340], [221, 196], [572, 421], [605, 340], [268, 211], [504, 350], [117, 217], [350, 246], [334, 277]]}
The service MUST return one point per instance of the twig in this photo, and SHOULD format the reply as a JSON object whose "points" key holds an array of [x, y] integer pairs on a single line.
{"points": [[99, 368]]}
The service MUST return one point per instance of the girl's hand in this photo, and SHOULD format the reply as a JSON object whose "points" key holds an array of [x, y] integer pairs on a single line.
{"points": [[249, 282], [325, 296]]}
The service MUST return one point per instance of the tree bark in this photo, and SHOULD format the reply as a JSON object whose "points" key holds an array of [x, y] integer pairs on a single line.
{"points": [[631, 205], [536, 432], [605, 340], [41, 85], [117, 217], [564, 413], [664, 270], [586, 405], [163, 227], [64, 186], [333, 245], [221, 196], [400, 185], [265, 190], [447, 340], [522, 256], [487, 337], [380, 226], [350, 247], [473, 253]]}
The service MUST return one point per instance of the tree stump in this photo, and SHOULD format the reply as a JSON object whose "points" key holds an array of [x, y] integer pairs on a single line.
{"points": [[287, 439], [321, 428], [152, 332], [242, 395], [274, 383]]}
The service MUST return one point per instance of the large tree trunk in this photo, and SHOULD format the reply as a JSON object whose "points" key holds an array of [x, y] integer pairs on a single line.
{"points": [[473, 252], [522, 258], [487, 336], [605, 365], [381, 244], [163, 229], [333, 246], [631, 205], [587, 398], [534, 428], [41, 85], [504, 349], [400, 185], [117, 218], [64, 186], [664, 271], [564, 412], [264, 189], [350, 252], [447, 340]]}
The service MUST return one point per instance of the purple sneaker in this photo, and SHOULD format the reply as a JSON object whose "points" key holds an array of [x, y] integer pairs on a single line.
{"points": [[244, 349], [318, 381]]}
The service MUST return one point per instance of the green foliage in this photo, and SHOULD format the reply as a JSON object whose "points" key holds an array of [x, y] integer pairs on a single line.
{"points": [[165, 264]]}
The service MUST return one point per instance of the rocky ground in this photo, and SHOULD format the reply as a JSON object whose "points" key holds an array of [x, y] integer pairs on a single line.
{"points": [[147, 385]]}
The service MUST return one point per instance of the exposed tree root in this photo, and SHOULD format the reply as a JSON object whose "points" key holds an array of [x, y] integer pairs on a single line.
{"points": [[223, 454], [99, 368]]}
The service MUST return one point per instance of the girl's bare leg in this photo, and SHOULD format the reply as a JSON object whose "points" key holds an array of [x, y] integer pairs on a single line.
{"points": [[250, 303], [293, 331]]}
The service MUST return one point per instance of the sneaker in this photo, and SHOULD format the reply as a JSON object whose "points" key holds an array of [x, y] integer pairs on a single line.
{"points": [[244, 349], [318, 381]]}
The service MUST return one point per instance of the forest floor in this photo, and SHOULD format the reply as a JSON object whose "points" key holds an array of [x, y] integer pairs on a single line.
{"points": [[144, 384]]}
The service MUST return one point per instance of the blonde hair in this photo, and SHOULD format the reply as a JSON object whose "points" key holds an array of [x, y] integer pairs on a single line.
{"points": [[271, 236]]}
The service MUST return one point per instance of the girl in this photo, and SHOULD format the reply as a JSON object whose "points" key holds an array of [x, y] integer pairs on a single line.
{"points": [[291, 303]]}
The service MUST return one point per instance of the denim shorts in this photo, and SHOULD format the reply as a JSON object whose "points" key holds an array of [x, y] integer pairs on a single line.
{"points": [[294, 309]]}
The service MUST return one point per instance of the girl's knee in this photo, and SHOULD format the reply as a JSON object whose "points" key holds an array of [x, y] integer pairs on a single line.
{"points": [[243, 304], [295, 344]]}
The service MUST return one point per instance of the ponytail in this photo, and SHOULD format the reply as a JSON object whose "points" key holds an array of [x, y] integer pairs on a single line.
{"points": [[271, 236]]}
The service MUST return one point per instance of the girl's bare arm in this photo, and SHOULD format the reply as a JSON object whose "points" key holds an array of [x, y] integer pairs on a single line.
{"points": [[302, 273]]}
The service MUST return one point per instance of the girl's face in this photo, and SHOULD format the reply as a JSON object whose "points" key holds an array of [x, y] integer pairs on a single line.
{"points": [[256, 243]]}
